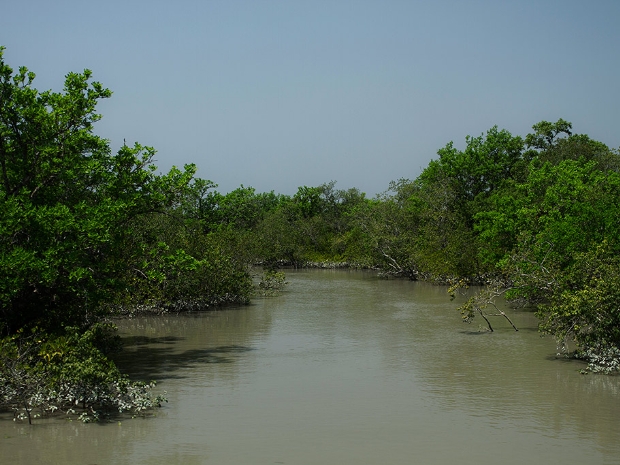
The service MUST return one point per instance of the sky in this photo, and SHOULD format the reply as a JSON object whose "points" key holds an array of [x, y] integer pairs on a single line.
{"points": [[280, 94]]}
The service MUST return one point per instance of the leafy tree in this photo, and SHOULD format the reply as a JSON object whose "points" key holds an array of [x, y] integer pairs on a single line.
{"points": [[585, 308], [198, 204], [386, 230], [66, 202], [555, 238], [308, 201], [309, 227], [83, 231], [545, 133], [487, 162], [181, 268], [546, 145], [449, 194], [346, 241], [278, 239]]}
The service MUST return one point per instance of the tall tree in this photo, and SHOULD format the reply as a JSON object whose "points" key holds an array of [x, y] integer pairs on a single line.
{"points": [[67, 202]]}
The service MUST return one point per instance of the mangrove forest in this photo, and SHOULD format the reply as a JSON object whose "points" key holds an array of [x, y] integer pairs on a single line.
{"points": [[88, 236]]}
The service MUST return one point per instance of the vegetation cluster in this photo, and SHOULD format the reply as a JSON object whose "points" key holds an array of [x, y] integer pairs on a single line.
{"points": [[86, 235]]}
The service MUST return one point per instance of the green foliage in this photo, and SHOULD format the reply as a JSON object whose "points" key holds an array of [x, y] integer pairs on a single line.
{"points": [[452, 190], [555, 236], [545, 134], [240, 209], [271, 283], [311, 226], [176, 266], [480, 303], [84, 232], [446, 243], [66, 202], [70, 373], [308, 202], [390, 228], [560, 211], [585, 307], [278, 238], [485, 164]]}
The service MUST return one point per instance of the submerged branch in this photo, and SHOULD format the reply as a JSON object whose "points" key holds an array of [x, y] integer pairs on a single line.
{"points": [[479, 302]]}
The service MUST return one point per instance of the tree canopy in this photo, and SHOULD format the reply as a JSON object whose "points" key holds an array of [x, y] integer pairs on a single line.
{"points": [[85, 232]]}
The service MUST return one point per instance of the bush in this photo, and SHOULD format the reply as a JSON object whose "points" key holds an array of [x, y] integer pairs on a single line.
{"points": [[41, 374]]}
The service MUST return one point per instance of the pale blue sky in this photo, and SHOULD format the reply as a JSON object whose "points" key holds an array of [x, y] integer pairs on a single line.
{"points": [[280, 94]]}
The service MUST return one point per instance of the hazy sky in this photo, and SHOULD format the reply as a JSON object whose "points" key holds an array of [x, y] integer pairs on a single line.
{"points": [[280, 94]]}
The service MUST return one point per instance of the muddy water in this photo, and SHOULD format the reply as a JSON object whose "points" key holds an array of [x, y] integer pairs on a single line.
{"points": [[343, 369]]}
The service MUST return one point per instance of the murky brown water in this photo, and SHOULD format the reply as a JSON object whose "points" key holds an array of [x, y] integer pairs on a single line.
{"points": [[343, 369]]}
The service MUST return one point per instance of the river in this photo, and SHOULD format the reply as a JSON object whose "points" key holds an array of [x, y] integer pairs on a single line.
{"points": [[342, 368]]}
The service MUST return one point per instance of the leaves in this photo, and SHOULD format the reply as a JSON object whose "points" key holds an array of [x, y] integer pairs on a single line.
{"points": [[67, 202], [41, 374]]}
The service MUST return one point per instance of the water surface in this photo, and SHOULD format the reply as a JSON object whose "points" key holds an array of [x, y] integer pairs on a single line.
{"points": [[343, 368]]}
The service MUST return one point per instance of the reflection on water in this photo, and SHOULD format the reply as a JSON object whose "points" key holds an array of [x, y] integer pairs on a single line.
{"points": [[343, 368]]}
